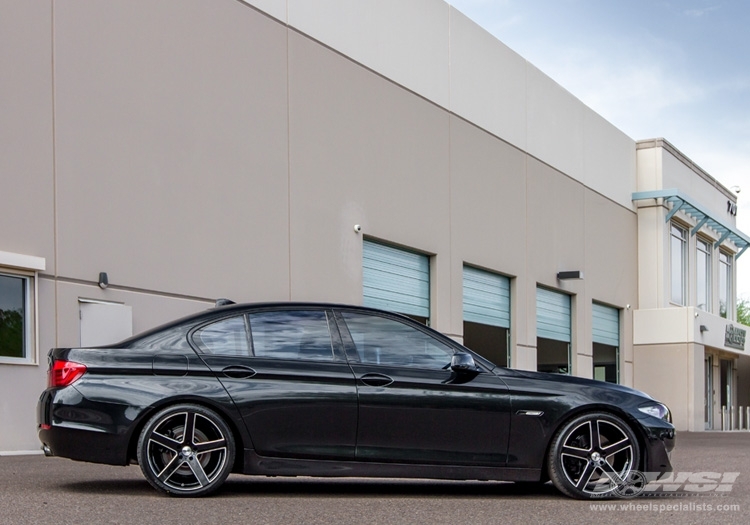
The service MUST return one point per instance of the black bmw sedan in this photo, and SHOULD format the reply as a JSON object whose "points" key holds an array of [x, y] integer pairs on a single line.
{"points": [[294, 389]]}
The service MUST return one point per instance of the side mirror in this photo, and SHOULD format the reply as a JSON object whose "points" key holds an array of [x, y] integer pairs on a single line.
{"points": [[461, 362]]}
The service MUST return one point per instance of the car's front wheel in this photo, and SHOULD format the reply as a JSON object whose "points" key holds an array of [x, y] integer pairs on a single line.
{"points": [[186, 450], [593, 456]]}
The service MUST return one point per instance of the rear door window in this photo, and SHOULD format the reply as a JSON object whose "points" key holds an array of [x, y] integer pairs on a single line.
{"points": [[291, 334], [227, 337]]}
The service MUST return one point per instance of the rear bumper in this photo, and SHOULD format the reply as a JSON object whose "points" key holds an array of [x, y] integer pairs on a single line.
{"points": [[83, 445], [70, 426]]}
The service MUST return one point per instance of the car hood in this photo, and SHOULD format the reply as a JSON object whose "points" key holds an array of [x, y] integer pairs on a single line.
{"points": [[571, 380]]}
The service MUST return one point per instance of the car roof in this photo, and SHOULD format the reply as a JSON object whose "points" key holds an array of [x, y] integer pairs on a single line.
{"points": [[231, 307], [219, 311]]}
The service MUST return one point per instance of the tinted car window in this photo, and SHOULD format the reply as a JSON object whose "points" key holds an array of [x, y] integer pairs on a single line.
{"points": [[170, 339], [291, 334], [225, 337], [384, 341]]}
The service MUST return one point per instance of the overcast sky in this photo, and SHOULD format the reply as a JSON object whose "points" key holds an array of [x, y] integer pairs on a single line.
{"points": [[678, 69]]}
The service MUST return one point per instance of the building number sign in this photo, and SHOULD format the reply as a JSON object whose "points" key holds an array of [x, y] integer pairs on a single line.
{"points": [[735, 337]]}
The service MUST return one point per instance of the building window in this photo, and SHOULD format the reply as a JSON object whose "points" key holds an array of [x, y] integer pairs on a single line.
{"points": [[703, 275], [678, 263], [725, 285], [15, 323]]}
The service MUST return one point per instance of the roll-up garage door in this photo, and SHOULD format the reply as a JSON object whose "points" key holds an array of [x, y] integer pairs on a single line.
{"points": [[552, 315], [396, 280], [486, 298], [606, 325]]}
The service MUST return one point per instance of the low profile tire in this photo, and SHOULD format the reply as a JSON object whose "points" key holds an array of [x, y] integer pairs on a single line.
{"points": [[592, 456], [186, 450]]}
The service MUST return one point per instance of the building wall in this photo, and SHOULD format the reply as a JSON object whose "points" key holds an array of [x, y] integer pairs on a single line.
{"points": [[27, 191], [668, 336], [673, 374], [435, 51], [196, 151], [171, 147], [743, 387]]}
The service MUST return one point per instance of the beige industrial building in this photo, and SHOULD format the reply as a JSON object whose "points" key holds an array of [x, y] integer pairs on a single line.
{"points": [[159, 154]]}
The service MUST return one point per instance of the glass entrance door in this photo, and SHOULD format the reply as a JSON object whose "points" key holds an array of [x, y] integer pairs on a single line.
{"points": [[726, 391], [708, 395]]}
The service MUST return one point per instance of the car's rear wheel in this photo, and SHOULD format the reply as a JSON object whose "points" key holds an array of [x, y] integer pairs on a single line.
{"points": [[593, 456], [186, 450]]}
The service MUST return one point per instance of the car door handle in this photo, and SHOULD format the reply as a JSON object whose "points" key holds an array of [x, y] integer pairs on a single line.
{"points": [[238, 372], [376, 380]]}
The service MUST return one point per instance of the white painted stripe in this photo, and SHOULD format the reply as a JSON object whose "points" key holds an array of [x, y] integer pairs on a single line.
{"points": [[21, 452]]}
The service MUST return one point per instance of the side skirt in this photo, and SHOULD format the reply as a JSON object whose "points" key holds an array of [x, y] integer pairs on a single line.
{"points": [[265, 466]]}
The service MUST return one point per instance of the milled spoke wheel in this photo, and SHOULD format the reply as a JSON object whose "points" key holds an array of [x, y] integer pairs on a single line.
{"points": [[186, 450], [592, 456]]}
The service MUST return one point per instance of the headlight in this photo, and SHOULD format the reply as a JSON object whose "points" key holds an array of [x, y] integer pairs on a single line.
{"points": [[657, 410]]}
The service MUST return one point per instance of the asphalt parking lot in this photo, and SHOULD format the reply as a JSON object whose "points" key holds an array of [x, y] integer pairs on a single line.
{"points": [[711, 485]]}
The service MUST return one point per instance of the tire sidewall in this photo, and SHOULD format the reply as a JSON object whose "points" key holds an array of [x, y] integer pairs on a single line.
{"points": [[554, 460], [154, 422]]}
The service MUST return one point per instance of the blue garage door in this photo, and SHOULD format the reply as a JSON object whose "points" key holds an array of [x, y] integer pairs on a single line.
{"points": [[552, 315], [486, 298], [396, 280], [606, 325]]}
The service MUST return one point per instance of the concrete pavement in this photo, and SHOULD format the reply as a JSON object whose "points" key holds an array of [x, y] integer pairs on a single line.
{"points": [[39, 490]]}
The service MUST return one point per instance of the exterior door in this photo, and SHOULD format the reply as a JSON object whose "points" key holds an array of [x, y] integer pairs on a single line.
{"points": [[605, 337], [486, 311], [412, 407], [708, 396], [263, 356], [104, 323], [553, 332], [726, 392], [396, 280]]}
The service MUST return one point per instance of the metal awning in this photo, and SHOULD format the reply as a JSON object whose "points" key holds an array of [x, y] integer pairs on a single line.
{"points": [[682, 203]]}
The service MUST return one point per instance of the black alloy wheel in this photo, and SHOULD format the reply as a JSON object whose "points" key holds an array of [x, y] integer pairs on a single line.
{"points": [[186, 450], [593, 456]]}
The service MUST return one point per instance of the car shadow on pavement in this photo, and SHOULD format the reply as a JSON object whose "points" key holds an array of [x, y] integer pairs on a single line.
{"points": [[125, 487], [243, 486]]}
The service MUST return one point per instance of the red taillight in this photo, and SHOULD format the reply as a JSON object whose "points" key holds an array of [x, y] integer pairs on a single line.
{"points": [[64, 373]]}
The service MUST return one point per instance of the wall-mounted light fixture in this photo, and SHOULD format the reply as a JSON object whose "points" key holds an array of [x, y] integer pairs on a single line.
{"points": [[576, 274], [103, 280], [703, 328]]}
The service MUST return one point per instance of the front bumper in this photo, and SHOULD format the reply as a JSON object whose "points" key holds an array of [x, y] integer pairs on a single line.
{"points": [[659, 440]]}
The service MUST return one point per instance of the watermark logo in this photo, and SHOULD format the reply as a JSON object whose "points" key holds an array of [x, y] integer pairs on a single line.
{"points": [[653, 484], [663, 507], [632, 485], [693, 482]]}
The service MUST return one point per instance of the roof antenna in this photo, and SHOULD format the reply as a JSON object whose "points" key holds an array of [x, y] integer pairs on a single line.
{"points": [[223, 302]]}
